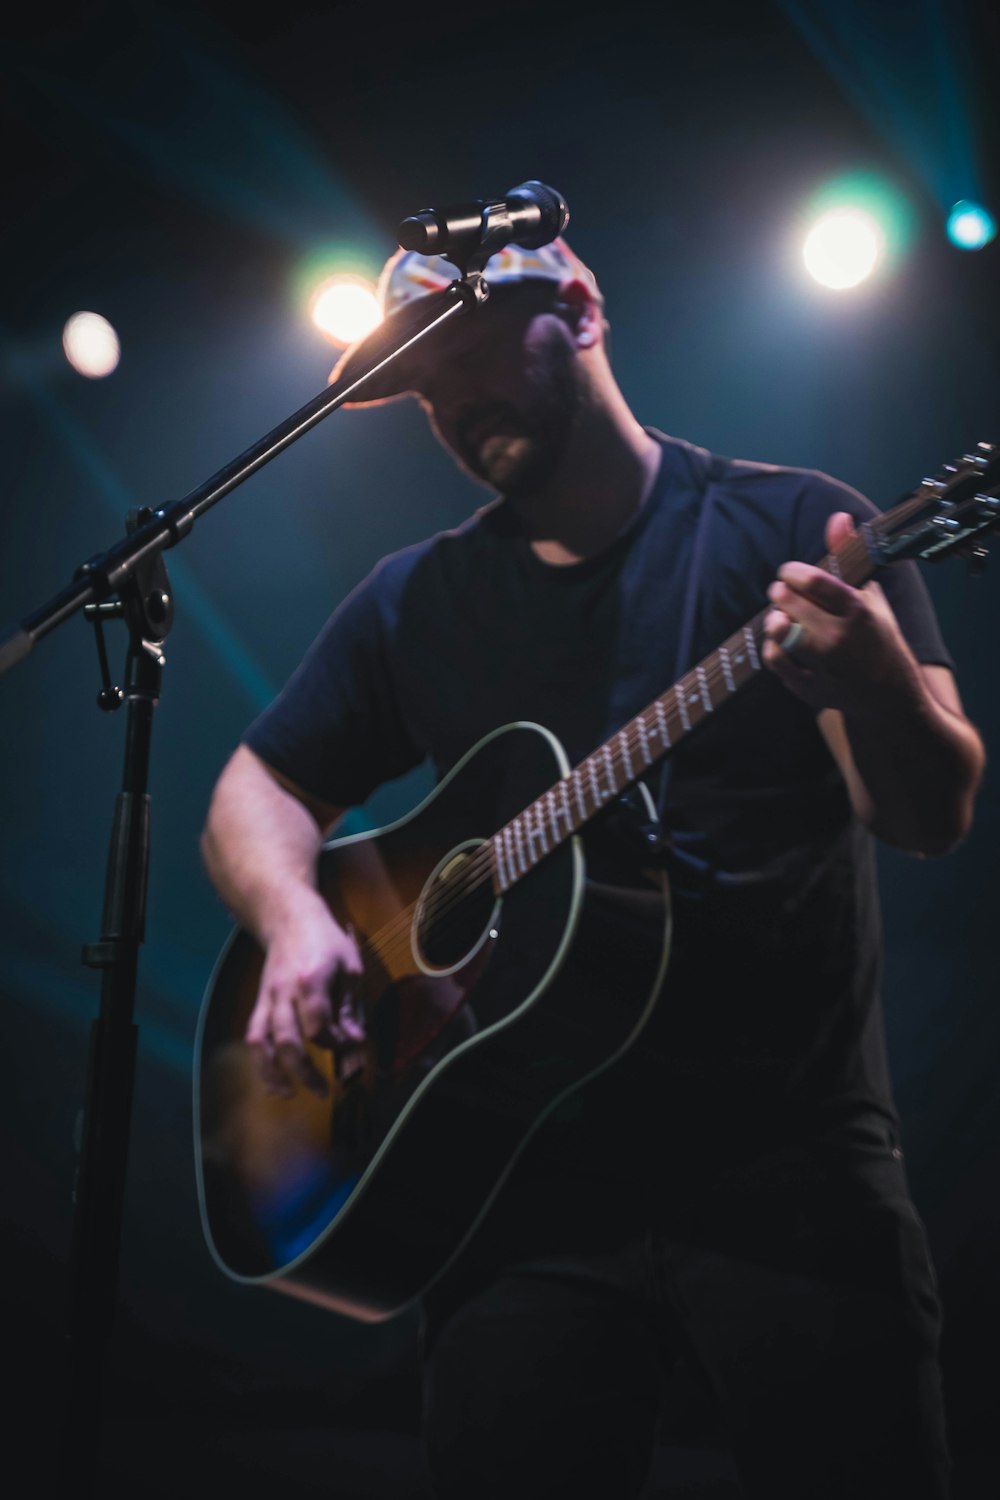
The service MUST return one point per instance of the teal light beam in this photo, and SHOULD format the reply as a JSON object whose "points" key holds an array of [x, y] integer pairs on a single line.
{"points": [[216, 629], [73, 999], [212, 135], [904, 68]]}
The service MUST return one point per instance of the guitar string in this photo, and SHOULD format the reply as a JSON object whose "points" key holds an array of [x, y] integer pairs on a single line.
{"points": [[481, 866], [853, 563]]}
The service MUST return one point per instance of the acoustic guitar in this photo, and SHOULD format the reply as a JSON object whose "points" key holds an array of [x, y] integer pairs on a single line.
{"points": [[491, 938]]}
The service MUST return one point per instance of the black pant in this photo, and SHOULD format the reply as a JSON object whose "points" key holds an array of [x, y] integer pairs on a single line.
{"points": [[801, 1288]]}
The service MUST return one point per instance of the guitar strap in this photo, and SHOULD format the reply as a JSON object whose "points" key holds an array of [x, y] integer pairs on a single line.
{"points": [[656, 843], [714, 470]]}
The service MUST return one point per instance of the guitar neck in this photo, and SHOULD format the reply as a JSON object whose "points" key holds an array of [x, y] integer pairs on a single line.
{"points": [[571, 802]]}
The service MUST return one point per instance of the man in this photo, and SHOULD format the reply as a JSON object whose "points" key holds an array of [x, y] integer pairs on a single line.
{"points": [[731, 1191]]}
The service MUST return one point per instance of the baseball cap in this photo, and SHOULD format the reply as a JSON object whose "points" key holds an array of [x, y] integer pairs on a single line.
{"points": [[409, 278]]}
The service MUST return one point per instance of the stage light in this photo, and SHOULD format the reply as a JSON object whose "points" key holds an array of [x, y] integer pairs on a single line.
{"points": [[970, 226], [855, 225], [91, 345], [843, 248], [345, 308]]}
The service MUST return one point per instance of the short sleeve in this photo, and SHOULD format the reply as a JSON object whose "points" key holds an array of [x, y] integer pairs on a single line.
{"points": [[335, 729], [902, 582]]}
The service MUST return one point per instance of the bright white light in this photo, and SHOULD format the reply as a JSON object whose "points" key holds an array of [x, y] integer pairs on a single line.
{"points": [[91, 345], [970, 226], [842, 248], [345, 309]]}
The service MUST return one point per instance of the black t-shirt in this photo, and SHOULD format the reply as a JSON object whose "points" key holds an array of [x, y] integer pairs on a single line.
{"points": [[769, 1030]]}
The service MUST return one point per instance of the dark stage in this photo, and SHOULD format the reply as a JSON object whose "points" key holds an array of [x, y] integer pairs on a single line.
{"points": [[191, 171]]}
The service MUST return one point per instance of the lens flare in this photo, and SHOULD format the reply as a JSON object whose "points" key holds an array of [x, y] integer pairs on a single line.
{"points": [[843, 248], [970, 225], [345, 308], [91, 345]]}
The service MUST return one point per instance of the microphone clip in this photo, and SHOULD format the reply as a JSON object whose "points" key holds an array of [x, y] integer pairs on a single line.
{"points": [[470, 262], [498, 229]]}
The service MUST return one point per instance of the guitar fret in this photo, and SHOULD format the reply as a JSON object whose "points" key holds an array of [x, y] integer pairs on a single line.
{"points": [[594, 783], [550, 802], [727, 668], [509, 850], [498, 860], [529, 837], [644, 739], [581, 803], [751, 647], [626, 757], [540, 829], [706, 696], [565, 806], [664, 727], [609, 767], [519, 846], [679, 699]]}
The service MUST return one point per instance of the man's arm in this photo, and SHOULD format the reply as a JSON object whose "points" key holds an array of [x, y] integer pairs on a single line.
{"points": [[911, 759], [260, 846], [925, 764]]}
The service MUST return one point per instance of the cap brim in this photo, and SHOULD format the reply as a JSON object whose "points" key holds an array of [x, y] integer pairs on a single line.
{"points": [[363, 357]]}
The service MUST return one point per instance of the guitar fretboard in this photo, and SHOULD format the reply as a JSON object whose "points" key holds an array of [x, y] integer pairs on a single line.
{"points": [[570, 804]]}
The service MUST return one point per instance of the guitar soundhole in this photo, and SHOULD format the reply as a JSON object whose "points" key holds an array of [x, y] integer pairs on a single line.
{"points": [[457, 911]]}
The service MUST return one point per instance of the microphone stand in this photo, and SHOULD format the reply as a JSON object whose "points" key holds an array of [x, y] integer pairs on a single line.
{"points": [[129, 581]]}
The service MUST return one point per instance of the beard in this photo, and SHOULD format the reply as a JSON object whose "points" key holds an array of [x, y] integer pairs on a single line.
{"points": [[517, 447]]}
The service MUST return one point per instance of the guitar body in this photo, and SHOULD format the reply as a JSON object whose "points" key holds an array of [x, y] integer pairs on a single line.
{"points": [[482, 1012]]}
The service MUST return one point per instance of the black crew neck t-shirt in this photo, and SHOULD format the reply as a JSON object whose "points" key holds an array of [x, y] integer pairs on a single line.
{"points": [[769, 1028]]}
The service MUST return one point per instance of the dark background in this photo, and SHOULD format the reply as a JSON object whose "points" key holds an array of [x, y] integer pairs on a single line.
{"points": [[186, 170]]}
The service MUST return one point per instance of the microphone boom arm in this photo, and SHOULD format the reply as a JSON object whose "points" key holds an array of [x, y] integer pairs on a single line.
{"points": [[101, 576]]}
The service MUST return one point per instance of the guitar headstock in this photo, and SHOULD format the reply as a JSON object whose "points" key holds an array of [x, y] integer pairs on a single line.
{"points": [[945, 515]]}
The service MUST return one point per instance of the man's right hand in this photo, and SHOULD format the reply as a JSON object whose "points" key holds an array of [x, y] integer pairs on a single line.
{"points": [[309, 993]]}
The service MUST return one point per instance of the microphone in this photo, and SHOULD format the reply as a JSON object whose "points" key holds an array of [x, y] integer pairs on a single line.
{"points": [[530, 215]]}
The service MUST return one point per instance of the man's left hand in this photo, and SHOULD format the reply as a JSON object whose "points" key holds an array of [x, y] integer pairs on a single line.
{"points": [[849, 652]]}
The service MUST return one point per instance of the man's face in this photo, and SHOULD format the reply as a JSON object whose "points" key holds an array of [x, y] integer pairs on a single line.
{"points": [[502, 388]]}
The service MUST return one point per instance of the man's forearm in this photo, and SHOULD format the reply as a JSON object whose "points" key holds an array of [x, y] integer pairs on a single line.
{"points": [[917, 765], [910, 757], [260, 845]]}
